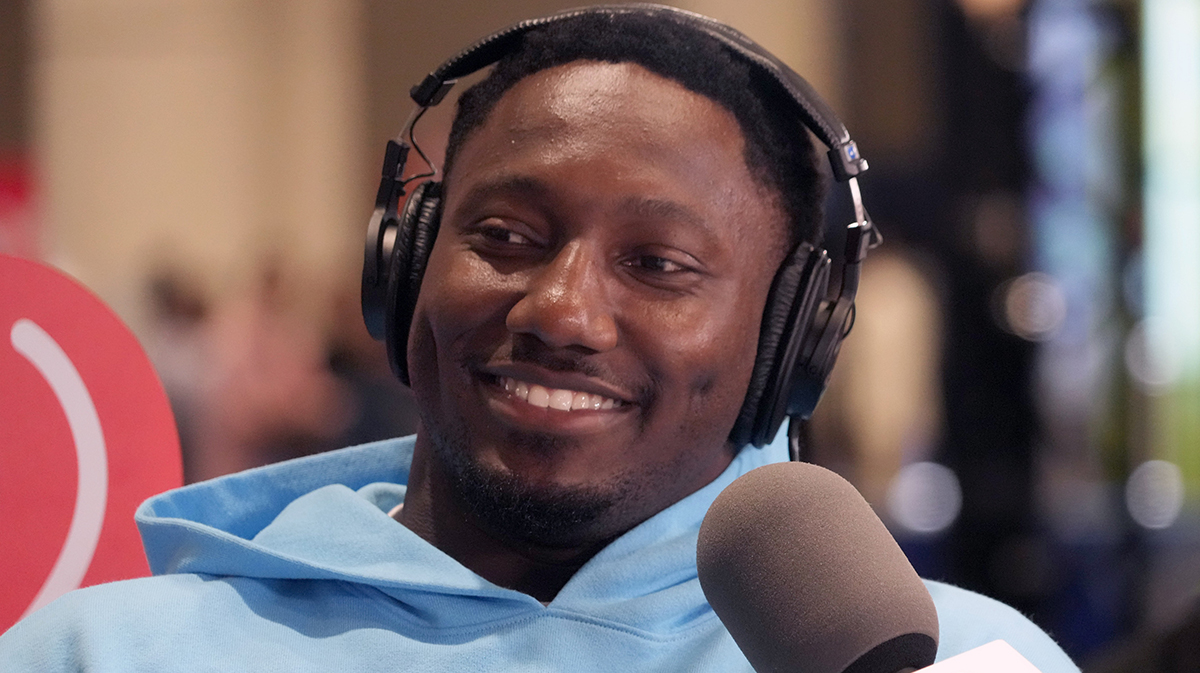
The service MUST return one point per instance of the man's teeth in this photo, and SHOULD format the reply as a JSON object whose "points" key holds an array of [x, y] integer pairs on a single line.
{"points": [[563, 400]]}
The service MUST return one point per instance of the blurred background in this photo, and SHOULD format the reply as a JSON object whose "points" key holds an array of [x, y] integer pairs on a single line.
{"points": [[1020, 398]]}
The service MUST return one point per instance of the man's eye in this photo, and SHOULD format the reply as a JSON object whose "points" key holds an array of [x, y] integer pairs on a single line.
{"points": [[502, 235], [657, 264]]}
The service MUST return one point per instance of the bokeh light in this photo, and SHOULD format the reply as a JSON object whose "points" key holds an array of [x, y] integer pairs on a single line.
{"points": [[924, 497], [1154, 494], [1033, 306], [1152, 368]]}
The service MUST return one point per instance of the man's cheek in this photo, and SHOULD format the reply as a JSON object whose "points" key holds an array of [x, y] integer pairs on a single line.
{"points": [[422, 356], [718, 383]]}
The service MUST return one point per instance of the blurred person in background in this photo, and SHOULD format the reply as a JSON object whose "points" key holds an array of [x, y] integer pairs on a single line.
{"points": [[252, 382]]}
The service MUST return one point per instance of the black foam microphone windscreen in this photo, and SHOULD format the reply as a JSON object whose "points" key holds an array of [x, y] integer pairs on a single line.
{"points": [[807, 578]]}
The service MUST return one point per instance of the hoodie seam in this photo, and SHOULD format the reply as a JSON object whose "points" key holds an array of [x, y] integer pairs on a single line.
{"points": [[681, 634], [532, 615], [483, 628]]}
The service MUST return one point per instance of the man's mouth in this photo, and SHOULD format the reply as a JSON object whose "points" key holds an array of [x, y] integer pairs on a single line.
{"points": [[559, 399]]}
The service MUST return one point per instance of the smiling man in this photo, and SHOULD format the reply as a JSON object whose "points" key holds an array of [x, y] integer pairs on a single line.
{"points": [[618, 195], [586, 327]]}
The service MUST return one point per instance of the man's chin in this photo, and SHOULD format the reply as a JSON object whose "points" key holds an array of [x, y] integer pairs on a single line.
{"points": [[519, 511]]}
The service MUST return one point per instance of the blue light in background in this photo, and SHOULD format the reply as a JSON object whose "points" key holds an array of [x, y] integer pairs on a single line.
{"points": [[1171, 151]]}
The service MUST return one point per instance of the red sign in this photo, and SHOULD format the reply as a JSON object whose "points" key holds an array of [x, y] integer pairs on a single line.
{"points": [[86, 434], [18, 233]]}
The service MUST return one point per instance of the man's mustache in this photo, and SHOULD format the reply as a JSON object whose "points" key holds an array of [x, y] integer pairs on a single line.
{"points": [[534, 352], [527, 349]]}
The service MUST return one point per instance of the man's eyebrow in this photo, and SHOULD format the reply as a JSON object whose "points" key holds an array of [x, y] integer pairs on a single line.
{"points": [[663, 209], [507, 185], [635, 207]]}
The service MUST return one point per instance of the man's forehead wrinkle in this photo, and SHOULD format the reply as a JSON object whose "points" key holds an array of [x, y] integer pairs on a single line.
{"points": [[541, 125], [507, 184], [653, 209]]}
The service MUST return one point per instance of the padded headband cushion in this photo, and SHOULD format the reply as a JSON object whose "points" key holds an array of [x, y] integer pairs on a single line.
{"points": [[815, 113]]}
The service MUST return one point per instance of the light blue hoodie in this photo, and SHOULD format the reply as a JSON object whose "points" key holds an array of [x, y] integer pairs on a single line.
{"points": [[298, 567]]}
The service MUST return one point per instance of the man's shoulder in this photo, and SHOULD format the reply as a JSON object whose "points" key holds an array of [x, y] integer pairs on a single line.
{"points": [[967, 620], [196, 622], [106, 622], [137, 620]]}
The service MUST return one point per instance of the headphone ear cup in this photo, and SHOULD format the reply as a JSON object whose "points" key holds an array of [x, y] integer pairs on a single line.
{"points": [[796, 291], [819, 352], [410, 255], [790, 365]]}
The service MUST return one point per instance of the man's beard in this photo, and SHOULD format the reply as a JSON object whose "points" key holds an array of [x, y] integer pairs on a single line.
{"points": [[549, 516]]}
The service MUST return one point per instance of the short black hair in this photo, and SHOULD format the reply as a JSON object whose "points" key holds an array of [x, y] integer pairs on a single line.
{"points": [[779, 152]]}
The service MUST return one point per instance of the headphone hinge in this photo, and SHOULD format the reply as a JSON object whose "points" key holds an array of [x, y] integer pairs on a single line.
{"points": [[846, 161], [431, 90], [394, 159], [386, 202], [858, 242]]}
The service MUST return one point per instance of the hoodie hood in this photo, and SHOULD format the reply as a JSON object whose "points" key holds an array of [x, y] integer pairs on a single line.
{"points": [[325, 517], [297, 567]]}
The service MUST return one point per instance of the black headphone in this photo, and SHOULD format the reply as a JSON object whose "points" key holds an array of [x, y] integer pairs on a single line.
{"points": [[801, 331]]}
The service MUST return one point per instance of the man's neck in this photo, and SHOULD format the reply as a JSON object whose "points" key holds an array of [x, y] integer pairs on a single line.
{"points": [[431, 511]]}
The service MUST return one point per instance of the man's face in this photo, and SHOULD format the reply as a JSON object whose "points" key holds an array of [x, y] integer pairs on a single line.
{"points": [[588, 321]]}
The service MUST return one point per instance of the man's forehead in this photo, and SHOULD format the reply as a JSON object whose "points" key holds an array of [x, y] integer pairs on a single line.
{"points": [[586, 108], [553, 97]]}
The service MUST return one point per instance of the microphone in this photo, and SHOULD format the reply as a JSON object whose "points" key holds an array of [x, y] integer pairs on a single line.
{"points": [[806, 578]]}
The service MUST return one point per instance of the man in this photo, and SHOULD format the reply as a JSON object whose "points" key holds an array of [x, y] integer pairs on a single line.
{"points": [[615, 207]]}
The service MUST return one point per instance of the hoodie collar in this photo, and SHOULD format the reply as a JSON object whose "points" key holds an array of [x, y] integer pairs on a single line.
{"points": [[324, 517]]}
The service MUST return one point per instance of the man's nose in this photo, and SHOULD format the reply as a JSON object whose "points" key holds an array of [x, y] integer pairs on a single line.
{"points": [[566, 304]]}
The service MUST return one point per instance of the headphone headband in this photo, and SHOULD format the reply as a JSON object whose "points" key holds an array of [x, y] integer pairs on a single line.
{"points": [[817, 116]]}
